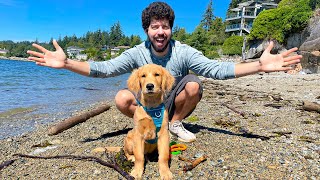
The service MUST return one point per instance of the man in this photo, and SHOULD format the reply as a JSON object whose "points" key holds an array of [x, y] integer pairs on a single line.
{"points": [[177, 58]]}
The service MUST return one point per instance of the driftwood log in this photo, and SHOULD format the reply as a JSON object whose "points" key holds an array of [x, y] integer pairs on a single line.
{"points": [[70, 122], [194, 163], [311, 106], [7, 163], [112, 164]]}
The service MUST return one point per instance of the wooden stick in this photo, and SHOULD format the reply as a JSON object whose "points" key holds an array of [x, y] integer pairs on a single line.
{"points": [[234, 110], [311, 106], [7, 163], [68, 123], [115, 166], [194, 163], [184, 159]]}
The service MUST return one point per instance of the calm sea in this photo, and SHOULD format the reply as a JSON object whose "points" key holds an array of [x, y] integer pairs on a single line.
{"points": [[32, 95]]}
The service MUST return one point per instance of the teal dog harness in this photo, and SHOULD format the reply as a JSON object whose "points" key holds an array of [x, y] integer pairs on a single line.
{"points": [[157, 117]]}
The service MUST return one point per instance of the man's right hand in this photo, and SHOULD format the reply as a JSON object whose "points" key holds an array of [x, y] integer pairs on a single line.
{"points": [[55, 59]]}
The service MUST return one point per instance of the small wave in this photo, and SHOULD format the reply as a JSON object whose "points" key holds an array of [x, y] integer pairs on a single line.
{"points": [[90, 89], [15, 111]]}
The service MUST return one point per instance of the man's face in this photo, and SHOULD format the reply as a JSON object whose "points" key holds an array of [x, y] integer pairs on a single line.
{"points": [[159, 34]]}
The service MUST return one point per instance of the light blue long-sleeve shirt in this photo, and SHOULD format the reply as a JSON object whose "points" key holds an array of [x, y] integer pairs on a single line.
{"points": [[180, 59]]}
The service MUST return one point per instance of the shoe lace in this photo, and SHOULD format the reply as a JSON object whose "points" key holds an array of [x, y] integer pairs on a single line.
{"points": [[180, 126]]}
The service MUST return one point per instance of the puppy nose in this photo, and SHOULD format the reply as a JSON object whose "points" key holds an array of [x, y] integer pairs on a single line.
{"points": [[150, 86]]}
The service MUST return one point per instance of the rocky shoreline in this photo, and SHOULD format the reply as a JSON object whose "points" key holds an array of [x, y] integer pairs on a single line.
{"points": [[249, 128]]}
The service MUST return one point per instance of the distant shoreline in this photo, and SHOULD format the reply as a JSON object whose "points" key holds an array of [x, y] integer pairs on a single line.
{"points": [[14, 58]]}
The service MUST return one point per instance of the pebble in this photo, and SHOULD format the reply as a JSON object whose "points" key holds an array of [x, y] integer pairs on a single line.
{"points": [[42, 150], [199, 154]]}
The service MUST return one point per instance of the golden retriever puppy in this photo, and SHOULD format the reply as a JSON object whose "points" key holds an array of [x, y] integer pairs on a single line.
{"points": [[150, 83]]}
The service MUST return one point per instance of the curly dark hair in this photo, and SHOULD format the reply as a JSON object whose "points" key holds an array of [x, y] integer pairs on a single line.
{"points": [[157, 10]]}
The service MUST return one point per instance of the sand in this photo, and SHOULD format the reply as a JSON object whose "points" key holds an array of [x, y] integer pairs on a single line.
{"points": [[252, 127]]}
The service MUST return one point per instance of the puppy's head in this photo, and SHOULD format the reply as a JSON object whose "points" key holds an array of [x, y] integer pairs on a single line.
{"points": [[150, 79]]}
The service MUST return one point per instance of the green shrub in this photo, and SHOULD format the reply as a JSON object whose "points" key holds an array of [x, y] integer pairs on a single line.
{"points": [[291, 16], [212, 54], [233, 45]]}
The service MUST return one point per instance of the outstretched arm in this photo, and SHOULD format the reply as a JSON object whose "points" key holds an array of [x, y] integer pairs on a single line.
{"points": [[269, 62], [57, 59]]}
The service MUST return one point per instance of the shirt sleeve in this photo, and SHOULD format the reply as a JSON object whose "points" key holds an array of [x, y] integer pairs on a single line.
{"points": [[206, 67], [122, 64]]}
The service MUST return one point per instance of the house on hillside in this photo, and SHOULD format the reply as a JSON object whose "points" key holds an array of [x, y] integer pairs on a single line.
{"points": [[3, 52], [240, 19], [75, 52], [116, 50]]}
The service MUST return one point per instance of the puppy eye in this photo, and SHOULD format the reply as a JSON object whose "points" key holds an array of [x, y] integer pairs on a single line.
{"points": [[157, 74], [143, 75]]}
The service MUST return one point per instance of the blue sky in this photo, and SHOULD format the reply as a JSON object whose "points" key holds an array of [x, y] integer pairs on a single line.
{"points": [[42, 19]]}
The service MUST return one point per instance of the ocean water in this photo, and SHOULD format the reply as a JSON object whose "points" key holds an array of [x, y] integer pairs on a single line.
{"points": [[31, 95]]}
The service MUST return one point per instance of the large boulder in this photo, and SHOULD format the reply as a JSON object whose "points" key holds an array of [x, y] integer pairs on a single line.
{"points": [[310, 48], [256, 49], [312, 42], [308, 42]]}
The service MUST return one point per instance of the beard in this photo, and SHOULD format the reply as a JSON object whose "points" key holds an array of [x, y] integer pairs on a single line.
{"points": [[156, 48], [159, 50]]}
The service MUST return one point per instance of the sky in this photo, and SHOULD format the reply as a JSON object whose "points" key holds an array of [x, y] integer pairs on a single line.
{"points": [[30, 20]]}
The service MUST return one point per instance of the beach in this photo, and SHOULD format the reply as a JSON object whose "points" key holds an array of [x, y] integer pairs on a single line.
{"points": [[251, 127]]}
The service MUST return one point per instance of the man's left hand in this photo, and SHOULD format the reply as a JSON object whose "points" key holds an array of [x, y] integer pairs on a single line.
{"points": [[278, 62]]}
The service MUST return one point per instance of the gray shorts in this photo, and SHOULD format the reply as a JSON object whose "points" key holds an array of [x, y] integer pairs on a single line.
{"points": [[169, 100]]}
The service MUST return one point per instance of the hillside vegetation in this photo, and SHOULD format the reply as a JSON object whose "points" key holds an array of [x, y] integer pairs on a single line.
{"points": [[291, 16]]}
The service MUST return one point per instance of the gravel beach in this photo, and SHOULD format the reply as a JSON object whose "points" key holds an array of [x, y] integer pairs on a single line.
{"points": [[252, 127]]}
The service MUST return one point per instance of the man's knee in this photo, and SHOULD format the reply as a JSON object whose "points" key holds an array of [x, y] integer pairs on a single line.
{"points": [[192, 89], [124, 98]]}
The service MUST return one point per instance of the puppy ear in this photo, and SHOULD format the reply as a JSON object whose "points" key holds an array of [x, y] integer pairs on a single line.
{"points": [[133, 81], [167, 81]]}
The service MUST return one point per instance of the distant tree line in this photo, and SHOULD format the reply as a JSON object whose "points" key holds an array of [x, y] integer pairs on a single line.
{"points": [[93, 42]]}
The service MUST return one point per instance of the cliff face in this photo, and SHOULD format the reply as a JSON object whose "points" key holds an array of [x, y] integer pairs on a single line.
{"points": [[308, 42]]}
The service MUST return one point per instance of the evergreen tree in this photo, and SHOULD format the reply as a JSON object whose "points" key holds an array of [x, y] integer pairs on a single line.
{"points": [[98, 41], [135, 40], [198, 39], [115, 34], [179, 34], [217, 35], [208, 17]]}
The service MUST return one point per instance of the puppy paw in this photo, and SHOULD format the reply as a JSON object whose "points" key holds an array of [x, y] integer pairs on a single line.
{"points": [[137, 173], [166, 175], [149, 135], [131, 158]]}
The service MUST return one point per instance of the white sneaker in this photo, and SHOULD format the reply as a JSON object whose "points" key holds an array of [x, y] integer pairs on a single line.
{"points": [[176, 128]]}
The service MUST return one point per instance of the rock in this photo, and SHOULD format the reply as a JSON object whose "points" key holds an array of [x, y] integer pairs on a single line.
{"points": [[310, 62], [41, 150], [308, 42], [312, 42], [256, 49]]}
